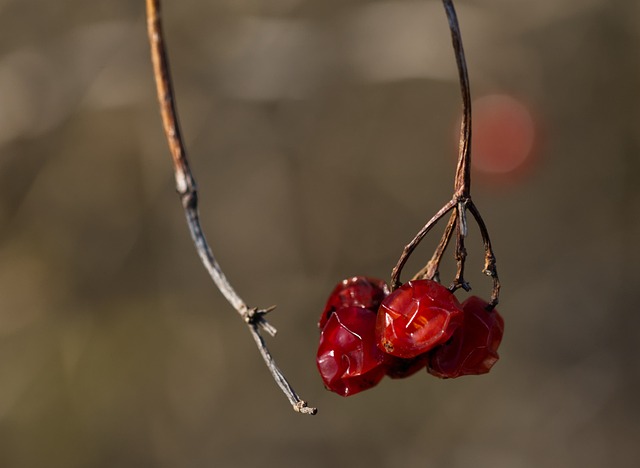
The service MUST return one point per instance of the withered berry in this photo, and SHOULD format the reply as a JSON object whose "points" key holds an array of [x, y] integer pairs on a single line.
{"points": [[348, 359], [473, 348], [358, 291]]}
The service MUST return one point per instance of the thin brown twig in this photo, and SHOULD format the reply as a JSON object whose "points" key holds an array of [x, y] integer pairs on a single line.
{"points": [[461, 253], [410, 247], [462, 184], [431, 270], [186, 187], [461, 200], [489, 258]]}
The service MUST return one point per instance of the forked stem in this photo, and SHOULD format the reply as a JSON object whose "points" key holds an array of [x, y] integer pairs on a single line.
{"points": [[411, 246], [186, 187], [461, 201], [431, 270]]}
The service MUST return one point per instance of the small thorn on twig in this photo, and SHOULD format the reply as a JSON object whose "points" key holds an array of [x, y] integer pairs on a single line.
{"points": [[254, 316]]}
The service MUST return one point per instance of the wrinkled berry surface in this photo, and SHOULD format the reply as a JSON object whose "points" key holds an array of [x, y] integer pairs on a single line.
{"points": [[358, 291], [348, 358], [473, 348], [416, 317]]}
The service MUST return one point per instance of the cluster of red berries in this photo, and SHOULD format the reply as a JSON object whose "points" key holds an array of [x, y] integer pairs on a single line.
{"points": [[367, 333]]}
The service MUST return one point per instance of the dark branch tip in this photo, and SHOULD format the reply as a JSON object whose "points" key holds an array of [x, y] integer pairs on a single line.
{"points": [[492, 305], [301, 407], [460, 284]]}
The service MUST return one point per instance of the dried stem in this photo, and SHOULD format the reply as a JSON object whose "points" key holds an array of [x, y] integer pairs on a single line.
{"points": [[489, 258], [461, 254], [186, 187], [463, 169], [410, 247], [461, 200], [431, 270]]}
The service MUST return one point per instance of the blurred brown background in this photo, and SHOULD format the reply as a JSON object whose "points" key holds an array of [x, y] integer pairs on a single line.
{"points": [[322, 135]]}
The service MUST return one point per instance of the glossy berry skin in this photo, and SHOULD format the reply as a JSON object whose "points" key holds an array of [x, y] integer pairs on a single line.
{"points": [[358, 291], [473, 348], [417, 317], [348, 358]]}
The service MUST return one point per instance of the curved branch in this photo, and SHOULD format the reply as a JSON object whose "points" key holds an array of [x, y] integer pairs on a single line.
{"points": [[461, 200], [186, 187], [462, 185], [461, 251], [410, 247], [490, 268], [431, 270]]}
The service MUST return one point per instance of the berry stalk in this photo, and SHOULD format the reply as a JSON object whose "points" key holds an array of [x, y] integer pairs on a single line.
{"points": [[461, 200]]}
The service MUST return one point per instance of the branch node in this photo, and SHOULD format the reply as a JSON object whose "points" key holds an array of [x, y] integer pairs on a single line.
{"points": [[460, 284], [490, 271], [255, 317], [301, 407], [461, 201]]}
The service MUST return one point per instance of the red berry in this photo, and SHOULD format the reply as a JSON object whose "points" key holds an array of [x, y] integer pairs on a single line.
{"points": [[473, 348], [416, 317], [348, 358], [358, 291]]}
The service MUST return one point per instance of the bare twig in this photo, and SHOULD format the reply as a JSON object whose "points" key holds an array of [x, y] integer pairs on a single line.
{"points": [[410, 247], [463, 169], [431, 270], [461, 200], [489, 258], [186, 187], [461, 251]]}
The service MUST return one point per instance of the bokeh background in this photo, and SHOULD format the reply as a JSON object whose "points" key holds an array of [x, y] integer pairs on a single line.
{"points": [[322, 134]]}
